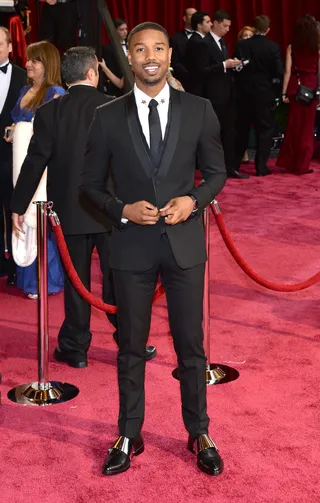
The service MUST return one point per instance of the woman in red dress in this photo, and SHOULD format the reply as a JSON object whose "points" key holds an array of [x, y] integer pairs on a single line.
{"points": [[302, 60]]}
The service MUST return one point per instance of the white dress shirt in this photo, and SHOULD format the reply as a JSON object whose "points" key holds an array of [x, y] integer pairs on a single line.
{"points": [[189, 33], [124, 47], [143, 100], [5, 80], [217, 39]]}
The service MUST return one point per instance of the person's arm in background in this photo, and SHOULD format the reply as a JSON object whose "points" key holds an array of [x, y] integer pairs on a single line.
{"points": [[287, 74], [116, 81]]}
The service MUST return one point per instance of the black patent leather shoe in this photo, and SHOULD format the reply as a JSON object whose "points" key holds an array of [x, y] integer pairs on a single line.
{"points": [[236, 174], [77, 362], [121, 453], [12, 280], [208, 459], [150, 352]]}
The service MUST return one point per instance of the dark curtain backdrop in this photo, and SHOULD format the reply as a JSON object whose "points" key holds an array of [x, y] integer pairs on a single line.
{"points": [[283, 14]]}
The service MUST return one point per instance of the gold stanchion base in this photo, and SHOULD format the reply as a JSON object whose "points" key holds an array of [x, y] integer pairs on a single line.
{"points": [[215, 374], [53, 392]]}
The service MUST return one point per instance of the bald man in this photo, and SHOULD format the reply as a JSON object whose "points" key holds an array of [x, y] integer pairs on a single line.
{"points": [[179, 43]]}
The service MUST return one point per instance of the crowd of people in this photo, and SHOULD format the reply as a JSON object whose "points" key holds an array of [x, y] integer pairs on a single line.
{"points": [[71, 145]]}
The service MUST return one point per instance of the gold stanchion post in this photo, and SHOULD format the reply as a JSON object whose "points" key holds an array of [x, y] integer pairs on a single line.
{"points": [[215, 373], [43, 392]]}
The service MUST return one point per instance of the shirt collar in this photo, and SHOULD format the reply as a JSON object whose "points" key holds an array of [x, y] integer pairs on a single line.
{"points": [[201, 34], [5, 63], [82, 84], [216, 38], [143, 99]]}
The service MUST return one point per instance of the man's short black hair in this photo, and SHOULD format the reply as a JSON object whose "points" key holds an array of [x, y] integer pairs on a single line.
{"points": [[119, 22], [147, 26], [76, 63], [221, 15], [197, 18]]}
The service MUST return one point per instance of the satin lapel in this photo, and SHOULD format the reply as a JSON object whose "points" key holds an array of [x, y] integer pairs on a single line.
{"points": [[137, 136], [172, 132]]}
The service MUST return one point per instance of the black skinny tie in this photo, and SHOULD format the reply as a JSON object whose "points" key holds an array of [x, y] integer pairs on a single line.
{"points": [[224, 48], [155, 129]]}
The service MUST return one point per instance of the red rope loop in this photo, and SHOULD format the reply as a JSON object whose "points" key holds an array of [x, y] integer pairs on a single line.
{"points": [[277, 287], [73, 275]]}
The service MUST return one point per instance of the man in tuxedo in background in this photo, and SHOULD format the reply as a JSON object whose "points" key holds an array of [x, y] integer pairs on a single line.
{"points": [[12, 79], [110, 56], [59, 23], [217, 72], [153, 139], [255, 93], [179, 44], [195, 52], [60, 132]]}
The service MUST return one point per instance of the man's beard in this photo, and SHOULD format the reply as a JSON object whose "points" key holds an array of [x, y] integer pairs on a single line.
{"points": [[154, 82]]}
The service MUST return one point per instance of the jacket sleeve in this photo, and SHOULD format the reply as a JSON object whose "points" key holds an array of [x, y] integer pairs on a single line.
{"points": [[95, 174], [39, 152], [210, 160]]}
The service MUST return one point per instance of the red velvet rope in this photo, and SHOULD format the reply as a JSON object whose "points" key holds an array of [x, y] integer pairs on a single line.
{"points": [[250, 272], [76, 281]]}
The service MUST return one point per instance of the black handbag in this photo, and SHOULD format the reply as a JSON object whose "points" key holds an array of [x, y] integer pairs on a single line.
{"points": [[305, 95]]}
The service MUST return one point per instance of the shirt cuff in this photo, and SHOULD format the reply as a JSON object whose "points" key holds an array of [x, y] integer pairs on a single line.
{"points": [[124, 220], [224, 67]]}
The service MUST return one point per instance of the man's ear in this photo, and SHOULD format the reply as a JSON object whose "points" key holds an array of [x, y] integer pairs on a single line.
{"points": [[129, 58]]}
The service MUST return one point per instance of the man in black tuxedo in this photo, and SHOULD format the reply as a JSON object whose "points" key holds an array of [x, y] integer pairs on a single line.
{"points": [[152, 139], [60, 132], [217, 72], [196, 52], [255, 93], [12, 79], [110, 56], [178, 43], [59, 23]]}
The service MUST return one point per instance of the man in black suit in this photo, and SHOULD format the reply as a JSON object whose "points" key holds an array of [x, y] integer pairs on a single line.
{"points": [[255, 93], [110, 56], [59, 23], [60, 132], [195, 52], [153, 139], [179, 45], [12, 79], [217, 72]]}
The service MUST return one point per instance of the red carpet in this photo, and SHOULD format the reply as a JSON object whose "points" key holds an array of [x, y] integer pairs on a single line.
{"points": [[266, 423]]}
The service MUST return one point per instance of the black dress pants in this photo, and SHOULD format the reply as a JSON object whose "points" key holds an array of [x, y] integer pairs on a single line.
{"points": [[184, 292], [7, 266], [59, 24], [260, 114], [226, 116], [75, 335]]}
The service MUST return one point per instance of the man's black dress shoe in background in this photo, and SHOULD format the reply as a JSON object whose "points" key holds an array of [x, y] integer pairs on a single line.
{"points": [[12, 280], [150, 351], [208, 458], [236, 174], [264, 172], [121, 453], [75, 361]]}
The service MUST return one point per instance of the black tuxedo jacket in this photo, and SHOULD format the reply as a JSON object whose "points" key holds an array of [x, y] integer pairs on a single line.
{"points": [[255, 80], [18, 80], [218, 83], [116, 142], [195, 57], [111, 60], [60, 132], [178, 60]]}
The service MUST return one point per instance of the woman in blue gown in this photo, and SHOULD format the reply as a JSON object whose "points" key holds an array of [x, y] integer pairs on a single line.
{"points": [[43, 67]]}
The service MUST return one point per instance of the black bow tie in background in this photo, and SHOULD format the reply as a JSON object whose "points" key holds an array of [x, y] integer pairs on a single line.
{"points": [[4, 68]]}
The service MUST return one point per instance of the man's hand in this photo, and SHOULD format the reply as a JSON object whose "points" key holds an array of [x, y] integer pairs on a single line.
{"points": [[177, 210], [141, 213], [17, 221], [232, 63]]}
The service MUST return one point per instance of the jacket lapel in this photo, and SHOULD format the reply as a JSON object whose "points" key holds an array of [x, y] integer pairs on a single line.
{"points": [[137, 136], [172, 132]]}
